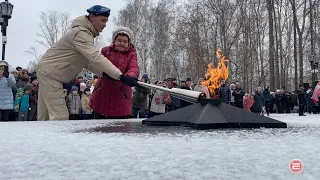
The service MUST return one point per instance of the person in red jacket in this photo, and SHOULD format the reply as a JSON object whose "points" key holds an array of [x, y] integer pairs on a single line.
{"points": [[112, 99]]}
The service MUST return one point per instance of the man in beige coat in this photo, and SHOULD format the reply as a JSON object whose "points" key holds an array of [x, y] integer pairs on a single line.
{"points": [[74, 51]]}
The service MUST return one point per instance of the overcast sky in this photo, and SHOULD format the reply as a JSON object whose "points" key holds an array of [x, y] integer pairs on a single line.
{"points": [[24, 24]]}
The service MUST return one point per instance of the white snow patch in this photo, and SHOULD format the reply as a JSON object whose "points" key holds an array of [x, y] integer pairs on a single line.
{"points": [[52, 150], [313, 119]]}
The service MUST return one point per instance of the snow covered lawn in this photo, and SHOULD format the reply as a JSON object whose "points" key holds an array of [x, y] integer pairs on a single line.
{"points": [[84, 150]]}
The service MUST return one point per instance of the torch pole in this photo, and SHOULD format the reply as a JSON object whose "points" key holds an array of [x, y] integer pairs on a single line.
{"points": [[183, 94]]}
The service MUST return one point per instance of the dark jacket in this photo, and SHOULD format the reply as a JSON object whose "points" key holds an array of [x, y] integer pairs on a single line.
{"points": [[302, 97], [238, 97], [140, 97], [309, 100], [294, 99], [34, 96], [225, 94], [258, 103], [266, 95]]}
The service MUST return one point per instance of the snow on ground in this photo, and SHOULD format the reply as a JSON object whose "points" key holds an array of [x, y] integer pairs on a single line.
{"points": [[70, 150], [313, 119]]}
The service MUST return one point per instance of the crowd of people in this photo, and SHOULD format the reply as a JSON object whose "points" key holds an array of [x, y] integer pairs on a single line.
{"points": [[261, 101], [143, 102], [19, 94], [51, 92]]}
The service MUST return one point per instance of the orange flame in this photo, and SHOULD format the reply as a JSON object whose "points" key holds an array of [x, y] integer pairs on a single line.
{"points": [[215, 74]]}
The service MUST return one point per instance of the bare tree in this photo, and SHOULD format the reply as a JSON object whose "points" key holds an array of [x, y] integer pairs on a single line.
{"points": [[52, 26], [136, 15], [32, 66], [161, 39], [33, 51], [267, 41], [300, 32], [271, 45]]}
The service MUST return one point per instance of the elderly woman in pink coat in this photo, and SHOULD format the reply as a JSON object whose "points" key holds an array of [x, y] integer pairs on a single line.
{"points": [[112, 99]]}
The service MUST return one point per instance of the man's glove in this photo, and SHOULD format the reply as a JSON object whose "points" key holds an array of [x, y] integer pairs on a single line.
{"points": [[128, 80], [5, 74]]}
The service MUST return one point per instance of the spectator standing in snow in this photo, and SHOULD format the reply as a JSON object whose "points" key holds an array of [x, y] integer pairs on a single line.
{"points": [[32, 114], [74, 104], [247, 102], [301, 99], [238, 94], [158, 105], [86, 110], [267, 98], [232, 86], [21, 103], [224, 92], [140, 99], [258, 101], [7, 81]]}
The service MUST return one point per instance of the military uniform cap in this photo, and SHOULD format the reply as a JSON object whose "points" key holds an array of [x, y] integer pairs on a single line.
{"points": [[99, 10]]}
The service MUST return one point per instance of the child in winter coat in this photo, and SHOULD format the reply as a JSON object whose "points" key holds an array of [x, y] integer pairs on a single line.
{"points": [[21, 103], [247, 102], [86, 110], [32, 114], [74, 104]]}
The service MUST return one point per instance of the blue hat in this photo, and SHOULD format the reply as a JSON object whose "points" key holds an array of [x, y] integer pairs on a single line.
{"points": [[145, 76], [74, 88], [99, 10], [86, 89]]}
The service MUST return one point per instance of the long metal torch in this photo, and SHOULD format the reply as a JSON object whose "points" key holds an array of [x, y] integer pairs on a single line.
{"points": [[184, 94]]}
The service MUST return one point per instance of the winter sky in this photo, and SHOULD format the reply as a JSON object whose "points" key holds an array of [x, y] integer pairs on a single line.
{"points": [[24, 24]]}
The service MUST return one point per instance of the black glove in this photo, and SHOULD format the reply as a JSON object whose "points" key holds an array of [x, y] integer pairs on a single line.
{"points": [[5, 74], [128, 80]]}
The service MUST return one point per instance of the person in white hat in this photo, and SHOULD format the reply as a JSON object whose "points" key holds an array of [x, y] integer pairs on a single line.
{"points": [[7, 81], [113, 99], [65, 59]]}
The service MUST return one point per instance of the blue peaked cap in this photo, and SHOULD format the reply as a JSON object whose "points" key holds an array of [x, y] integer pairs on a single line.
{"points": [[99, 10]]}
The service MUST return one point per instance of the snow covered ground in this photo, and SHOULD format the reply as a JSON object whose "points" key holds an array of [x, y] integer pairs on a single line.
{"points": [[89, 150]]}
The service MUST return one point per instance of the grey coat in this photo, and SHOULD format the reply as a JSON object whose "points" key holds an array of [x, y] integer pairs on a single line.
{"points": [[74, 104], [6, 95], [140, 97]]}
